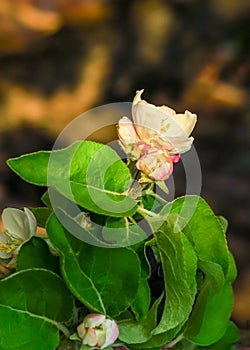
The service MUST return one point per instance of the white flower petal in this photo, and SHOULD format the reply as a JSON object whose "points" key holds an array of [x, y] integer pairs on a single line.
{"points": [[162, 126], [175, 145], [15, 222], [148, 120], [81, 330], [93, 320], [187, 121], [32, 223], [19, 224], [126, 131], [137, 97]]}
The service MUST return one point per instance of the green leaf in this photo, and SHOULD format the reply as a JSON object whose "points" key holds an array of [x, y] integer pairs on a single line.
{"points": [[214, 272], [179, 263], [41, 214], [140, 249], [94, 274], [37, 291], [90, 235], [36, 253], [119, 231], [33, 303], [94, 177], [212, 309], [230, 337], [141, 304], [224, 223], [60, 201], [232, 270], [99, 200], [31, 167], [45, 199], [21, 330], [137, 332], [206, 233], [88, 173], [161, 339], [227, 342], [210, 315]]}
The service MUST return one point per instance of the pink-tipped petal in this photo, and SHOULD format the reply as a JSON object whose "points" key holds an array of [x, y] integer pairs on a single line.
{"points": [[90, 337], [112, 332], [156, 165], [140, 148], [176, 158], [94, 320]]}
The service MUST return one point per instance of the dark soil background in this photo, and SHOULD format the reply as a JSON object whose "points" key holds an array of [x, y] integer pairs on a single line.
{"points": [[60, 58]]}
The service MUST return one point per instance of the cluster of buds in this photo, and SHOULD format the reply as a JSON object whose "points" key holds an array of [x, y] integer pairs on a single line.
{"points": [[156, 137], [97, 331]]}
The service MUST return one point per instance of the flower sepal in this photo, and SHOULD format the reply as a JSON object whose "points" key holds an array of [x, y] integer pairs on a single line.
{"points": [[162, 185]]}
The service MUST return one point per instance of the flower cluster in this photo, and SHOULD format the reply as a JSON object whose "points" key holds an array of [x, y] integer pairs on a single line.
{"points": [[156, 138]]}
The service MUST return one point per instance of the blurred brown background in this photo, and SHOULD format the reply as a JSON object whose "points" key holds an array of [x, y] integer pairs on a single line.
{"points": [[59, 58]]}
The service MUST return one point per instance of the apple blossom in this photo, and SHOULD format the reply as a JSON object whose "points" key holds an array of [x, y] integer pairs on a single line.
{"points": [[162, 126], [156, 138], [98, 331], [20, 226]]}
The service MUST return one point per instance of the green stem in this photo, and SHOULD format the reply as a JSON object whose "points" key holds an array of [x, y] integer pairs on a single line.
{"points": [[172, 343], [132, 220], [152, 193], [64, 329], [144, 212]]}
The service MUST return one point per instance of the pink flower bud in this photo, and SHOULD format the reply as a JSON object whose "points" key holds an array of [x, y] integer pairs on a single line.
{"points": [[98, 331], [157, 165]]}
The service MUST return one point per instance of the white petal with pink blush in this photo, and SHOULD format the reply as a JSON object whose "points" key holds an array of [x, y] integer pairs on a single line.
{"points": [[162, 126], [97, 331]]}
